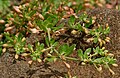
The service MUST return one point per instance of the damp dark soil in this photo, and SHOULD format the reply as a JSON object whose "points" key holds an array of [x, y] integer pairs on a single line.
{"points": [[12, 68]]}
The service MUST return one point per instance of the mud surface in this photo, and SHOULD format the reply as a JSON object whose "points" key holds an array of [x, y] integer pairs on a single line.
{"points": [[11, 68]]}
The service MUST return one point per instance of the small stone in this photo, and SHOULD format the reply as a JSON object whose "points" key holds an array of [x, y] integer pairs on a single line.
{"points": [[2, 21], [16, 56], [30, 62]]}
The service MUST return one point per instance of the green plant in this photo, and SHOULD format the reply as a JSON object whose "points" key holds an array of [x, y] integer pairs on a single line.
{"points": [[97, 57], [39, 49], [81, 23], [17, 42], [43, 19], [98, 37], [99, 33]]}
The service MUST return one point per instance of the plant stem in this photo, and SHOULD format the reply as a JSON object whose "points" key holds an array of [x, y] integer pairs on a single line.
{"points": [[70, 58], [48, 31], [46, 49], [92, 55]]}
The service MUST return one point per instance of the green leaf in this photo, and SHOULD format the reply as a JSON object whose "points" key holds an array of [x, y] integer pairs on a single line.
{"points": [[86, 53], [96, 50], [70, 50], [95, 40], [71, 21], [80, 54], [50, 25], [57, 27], [19, 38], [32, 13], [47, 41], [0, 50], [41, 46], [63, 48], [66, 50], [79, 8], [79, 27], [30, 47], [100, 29], [101, 52], [34, 58], [51, 59], [92, 32], [98, 61], [53, 16], [37, 46], [41, 25], [45, 22], [106, 31], [1, 43], [55, 44], [112, 61], [9, 37], [52, 41]]}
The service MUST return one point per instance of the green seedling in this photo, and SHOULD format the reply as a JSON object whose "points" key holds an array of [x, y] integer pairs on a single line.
{"points": [[83, 18], [98, 57], [17, 42], [99, 33], [105, 61], [37, 52], [88, 55], [98, 51]]}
